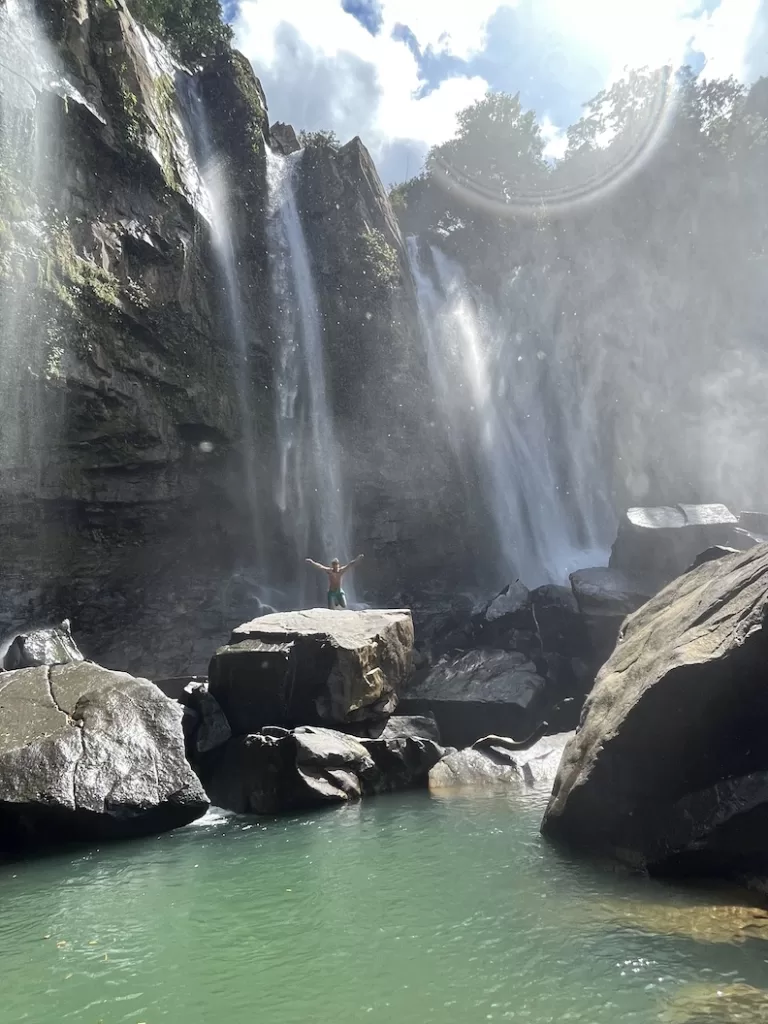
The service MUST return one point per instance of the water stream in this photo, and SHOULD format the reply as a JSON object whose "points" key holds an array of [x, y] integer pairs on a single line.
{"points": [[27, 328], [309, 487], [217, 206], [406, 908], [494, 401]]}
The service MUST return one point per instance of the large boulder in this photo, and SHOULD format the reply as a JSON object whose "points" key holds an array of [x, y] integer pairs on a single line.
{"points": [[89, 754], [51, 645], [662, 542], [280, 770], [315, 667], [477, 693], [670, 764], [494, 761]]}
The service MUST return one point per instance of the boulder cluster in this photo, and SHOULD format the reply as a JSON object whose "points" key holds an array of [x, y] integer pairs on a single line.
{"points": [[667, 768]]}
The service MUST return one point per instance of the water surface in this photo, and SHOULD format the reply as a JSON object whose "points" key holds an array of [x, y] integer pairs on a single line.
{"points": [[408, 908]]}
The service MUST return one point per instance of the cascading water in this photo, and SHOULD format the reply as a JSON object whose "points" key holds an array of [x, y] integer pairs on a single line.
{"points": [[309, 489], [493, 397], [215, 201], [27, 331]]}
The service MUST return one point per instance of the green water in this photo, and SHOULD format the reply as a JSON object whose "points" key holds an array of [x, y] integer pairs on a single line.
{"points": [[412, 909]]}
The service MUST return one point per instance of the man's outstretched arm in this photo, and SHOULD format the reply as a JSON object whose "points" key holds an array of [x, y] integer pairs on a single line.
{"points": [[350, 564], [317, 565]]}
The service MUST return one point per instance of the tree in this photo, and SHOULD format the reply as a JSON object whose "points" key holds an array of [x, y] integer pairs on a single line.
{"points": [[195, 29], [323, 138]]}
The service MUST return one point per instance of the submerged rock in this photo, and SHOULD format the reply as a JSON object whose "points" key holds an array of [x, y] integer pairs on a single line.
{"points": [[717, 1004], [316, 666], [728, 923], [52, 645], [89, 754], [477, 693], [494, 760], [670, 764], [281, 770], [660, 543]]}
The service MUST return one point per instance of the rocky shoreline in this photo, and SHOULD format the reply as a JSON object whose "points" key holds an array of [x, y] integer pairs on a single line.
{"points": [[666, 769]]}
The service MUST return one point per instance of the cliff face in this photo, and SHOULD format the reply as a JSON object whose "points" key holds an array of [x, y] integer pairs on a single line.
{"points": [[403, 477], [120, 384], [137, 341]]}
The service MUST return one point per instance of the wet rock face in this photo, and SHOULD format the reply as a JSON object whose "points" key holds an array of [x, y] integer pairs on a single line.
{"points": [[88, 754], [669, 764], [316, 666]]}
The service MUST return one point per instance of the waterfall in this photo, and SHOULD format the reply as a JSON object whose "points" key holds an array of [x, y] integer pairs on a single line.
{"points": [[309, 485], [493, 392], [215, 203], [28, 336]]}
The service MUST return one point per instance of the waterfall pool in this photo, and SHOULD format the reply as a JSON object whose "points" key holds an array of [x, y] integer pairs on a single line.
{"points": [[412, 908]]}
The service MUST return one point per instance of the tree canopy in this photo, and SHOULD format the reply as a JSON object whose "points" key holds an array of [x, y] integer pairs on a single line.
{"points": [[195, 29]]}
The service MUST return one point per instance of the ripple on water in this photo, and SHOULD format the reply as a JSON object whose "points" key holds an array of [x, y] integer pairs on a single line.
{"points": [[405, 908]]}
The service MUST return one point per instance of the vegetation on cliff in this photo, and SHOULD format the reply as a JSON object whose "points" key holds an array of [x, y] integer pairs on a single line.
{"points": [[194, 28]]}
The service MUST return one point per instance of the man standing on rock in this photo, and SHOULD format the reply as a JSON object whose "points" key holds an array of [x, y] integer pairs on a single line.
{"points": [[336, 596]]}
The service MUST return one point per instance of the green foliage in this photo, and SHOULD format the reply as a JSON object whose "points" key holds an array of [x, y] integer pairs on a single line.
{"points": [[194, 28], [321, 139], [379, 258]]}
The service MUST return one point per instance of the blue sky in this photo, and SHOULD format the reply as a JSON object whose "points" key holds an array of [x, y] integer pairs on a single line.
{"points": [[396, 72]]}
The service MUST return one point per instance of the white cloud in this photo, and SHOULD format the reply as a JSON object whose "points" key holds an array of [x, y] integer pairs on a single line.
{"points": [[724, 37], [555, 139], [322, 69]]}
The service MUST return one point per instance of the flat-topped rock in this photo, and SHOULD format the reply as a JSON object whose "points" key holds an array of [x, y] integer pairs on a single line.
{"points": [[313, 667], [477, 693], [661, 542], [90, 754], [344, 627]]}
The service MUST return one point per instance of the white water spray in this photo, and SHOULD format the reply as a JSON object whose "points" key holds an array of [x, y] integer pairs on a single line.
{"points": [[309, 489], [492, 391], [216, 201], [27, 330]]}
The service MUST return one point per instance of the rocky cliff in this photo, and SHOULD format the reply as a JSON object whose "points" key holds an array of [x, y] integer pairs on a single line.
{"points": [[125, 455]]}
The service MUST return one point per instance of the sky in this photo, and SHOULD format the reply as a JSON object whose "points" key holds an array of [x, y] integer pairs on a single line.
{"points": [[396, 72]]}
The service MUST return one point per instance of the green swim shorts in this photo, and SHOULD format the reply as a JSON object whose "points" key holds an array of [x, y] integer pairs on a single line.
{"points": [[337, 599]]}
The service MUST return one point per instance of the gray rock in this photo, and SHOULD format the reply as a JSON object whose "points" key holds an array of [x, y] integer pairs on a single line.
{"points": [[507, 622], [479, 692], [491, 762], [416, 726], [605, 597], [277, 771], [52, 645], [212, 729], [662, 542], [87, 754], [316, 666], [283, 138], [677, 717]]}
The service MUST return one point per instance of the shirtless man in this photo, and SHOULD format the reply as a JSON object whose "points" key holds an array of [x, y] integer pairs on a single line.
{"points": [[336, 596]]}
